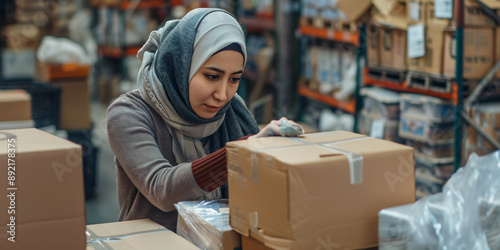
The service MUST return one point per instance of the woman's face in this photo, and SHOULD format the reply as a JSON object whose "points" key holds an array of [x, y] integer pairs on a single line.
{"points": [[215, 84]]}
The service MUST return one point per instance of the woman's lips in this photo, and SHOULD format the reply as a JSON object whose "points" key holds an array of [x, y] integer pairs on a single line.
{"points": [[212, 108]]}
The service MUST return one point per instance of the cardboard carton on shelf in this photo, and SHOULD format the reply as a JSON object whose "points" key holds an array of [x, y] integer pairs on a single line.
{"points": [[473, 15], [373, 45], [134, 234], [15, 105], [432, 61], [478, 53], [47, 191], [337, 180], [75, 95]]}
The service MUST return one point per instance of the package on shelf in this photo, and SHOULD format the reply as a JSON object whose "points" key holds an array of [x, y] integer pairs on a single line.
{"points": [[47, 171], [15, 105], [431, 176], [36, 12], [422, 129], [435, 221], [309, 11], [433, 108], [347, 73], [18, 63], [497, 48], [430, 149], [134, 234], [473, 15], [487, 114], [392, 34], [439, 168], [379, 127], [206, 224], [18, 36], [323, 75], [415, 11], [381, 102], [373, 44], [353, 12], [432, 60], [270, 180], [331, 121], [478, 53]]}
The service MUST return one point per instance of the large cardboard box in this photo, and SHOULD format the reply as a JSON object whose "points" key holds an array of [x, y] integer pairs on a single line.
{"points": [[354, 12], [75, 103], [432, 61], [373, 45], [135, 234], [15, 105], [323, 187], [393, 48], [44, 198], [473, 15], [478, 52]]}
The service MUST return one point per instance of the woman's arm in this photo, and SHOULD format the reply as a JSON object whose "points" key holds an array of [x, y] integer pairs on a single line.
{"points": [[130, 132]]}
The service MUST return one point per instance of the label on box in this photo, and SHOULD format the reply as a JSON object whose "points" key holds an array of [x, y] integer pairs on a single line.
{"points": [[416, 41], [414, 11], [377, 129], [443, 9]]}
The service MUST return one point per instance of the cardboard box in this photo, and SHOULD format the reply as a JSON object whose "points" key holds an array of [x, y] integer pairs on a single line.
{"points": [[18, 36], [15, 105], [48, 71], [135, 234], [497, 49], [373, 45], [248, 243], [75, 103], [432, 61], [478, 52], [301, 192], [393, 48], [354, 12], [48, 199], [473, 15]]}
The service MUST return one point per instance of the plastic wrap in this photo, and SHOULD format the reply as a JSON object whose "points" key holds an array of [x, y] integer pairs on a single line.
{"points": [[204, 223], [466, 215]]}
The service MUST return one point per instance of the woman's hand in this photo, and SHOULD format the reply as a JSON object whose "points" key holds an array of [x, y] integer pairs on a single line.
{"points": [[274, 128]]}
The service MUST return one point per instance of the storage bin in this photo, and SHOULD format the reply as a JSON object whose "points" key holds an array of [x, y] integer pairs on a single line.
{"points": [[425, 130], [431, 149], [432, 108], [382, 102]]}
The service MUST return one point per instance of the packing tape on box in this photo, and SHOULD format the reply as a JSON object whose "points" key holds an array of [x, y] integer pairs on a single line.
{"points": [[355, 158]]}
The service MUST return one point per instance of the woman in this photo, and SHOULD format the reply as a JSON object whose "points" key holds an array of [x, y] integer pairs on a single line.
{"points": [[169, 136]]}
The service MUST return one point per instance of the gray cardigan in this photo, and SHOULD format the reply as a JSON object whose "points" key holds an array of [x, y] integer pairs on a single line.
{"points": [[149, 180]]}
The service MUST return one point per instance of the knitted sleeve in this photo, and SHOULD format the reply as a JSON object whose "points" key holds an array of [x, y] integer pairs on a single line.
{"points": [[210, 172]]}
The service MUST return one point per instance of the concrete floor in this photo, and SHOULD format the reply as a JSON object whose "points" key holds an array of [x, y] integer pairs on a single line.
{"points": [[103, 207]]}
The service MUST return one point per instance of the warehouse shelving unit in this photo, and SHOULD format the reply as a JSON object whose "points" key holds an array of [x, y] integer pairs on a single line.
{"points": [[352, 105]]}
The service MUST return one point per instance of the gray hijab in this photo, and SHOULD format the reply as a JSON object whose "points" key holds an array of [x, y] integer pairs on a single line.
{"points": [[170, 57]]}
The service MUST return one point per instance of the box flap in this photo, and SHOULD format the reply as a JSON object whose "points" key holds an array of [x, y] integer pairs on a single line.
{"points": [[395, 19], [35, 140], [354, 11]]}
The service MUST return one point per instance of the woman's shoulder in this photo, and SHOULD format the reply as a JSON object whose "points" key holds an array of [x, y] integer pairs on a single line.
{"points": [[129, 102]]}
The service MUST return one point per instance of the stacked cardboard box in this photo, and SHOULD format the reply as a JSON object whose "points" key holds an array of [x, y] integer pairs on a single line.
{"points": [[380, 115], [439, 39], [322, 189], [487, 116], [75, 96], [15, 109], [135, 234], [43, 185], [427, 125]]}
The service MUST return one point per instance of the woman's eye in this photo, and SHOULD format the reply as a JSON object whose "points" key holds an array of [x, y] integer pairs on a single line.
{"points": [[235, 79], [212, 77]]}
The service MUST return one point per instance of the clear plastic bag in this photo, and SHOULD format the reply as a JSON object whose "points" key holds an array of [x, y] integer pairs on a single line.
{"points": [[466, 215]]}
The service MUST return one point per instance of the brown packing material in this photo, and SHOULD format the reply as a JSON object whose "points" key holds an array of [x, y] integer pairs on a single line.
{"points": [[354, 11], [15, 105], [393, 48], [473, 15], [75, 103], [296, 193], [49, 200], [135, 234], [478, 52]]}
